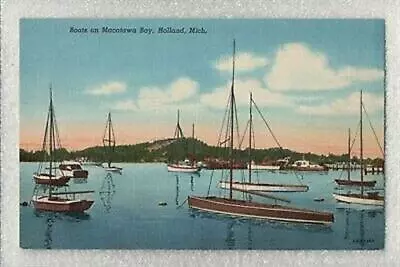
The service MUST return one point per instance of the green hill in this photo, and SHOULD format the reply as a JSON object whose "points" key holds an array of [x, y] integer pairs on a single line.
{"points": [[172, 150]]}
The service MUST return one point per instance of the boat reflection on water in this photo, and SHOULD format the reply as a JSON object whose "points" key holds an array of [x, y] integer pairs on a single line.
{"points": [[107, 191], [52, 217], [248, 226], [230, 235], [79, 180], [177, 191], [191, 183], [356, 235], [177, 186]]}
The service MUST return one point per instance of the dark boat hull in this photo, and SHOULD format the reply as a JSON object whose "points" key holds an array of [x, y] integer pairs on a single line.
{"points": [[81, 173], [59, 181], [355, 183], [61, 205], [258, 210]]}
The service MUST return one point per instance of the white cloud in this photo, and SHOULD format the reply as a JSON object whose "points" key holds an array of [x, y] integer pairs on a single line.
{"points": [[297, 67], [243, 62], [345, 106], [154, 97], [263, 97], [107, 89], [125, 105]]}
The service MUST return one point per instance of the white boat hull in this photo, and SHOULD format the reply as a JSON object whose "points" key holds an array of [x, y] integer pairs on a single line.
{"points": [[358, 200], [184, 169], [264, 167], [114, 169], [263, 187]]}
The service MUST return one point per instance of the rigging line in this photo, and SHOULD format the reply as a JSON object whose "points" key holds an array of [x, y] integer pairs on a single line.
{"points": [[44, 142], [373, 130], [355, 137], [57, 132], [180, 206], [236, 118], [105, 132], [244, 134], [227, 135], [223, 121], [266, 123], [273, 136], [351, 146], [254, 145], [209, 185]]}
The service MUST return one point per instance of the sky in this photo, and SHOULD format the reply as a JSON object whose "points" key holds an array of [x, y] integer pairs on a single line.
{"points": [[305, 76]]}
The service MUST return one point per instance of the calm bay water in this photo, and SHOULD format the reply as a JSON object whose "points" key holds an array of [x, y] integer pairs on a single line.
{"points": [[126, 214]]}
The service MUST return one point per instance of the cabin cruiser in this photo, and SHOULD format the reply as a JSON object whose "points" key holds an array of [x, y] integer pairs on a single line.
{"points": [[305, 165], [73, 169]]}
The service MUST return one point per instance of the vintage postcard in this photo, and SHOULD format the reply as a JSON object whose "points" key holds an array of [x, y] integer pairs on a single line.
{"points": [[202, 134]]}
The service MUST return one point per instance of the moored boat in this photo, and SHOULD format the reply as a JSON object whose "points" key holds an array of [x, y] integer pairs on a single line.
{"points": [[263, 167], [305, 165], [349, 181], [257, 186], [183, 167], [246, 208], [49, 200], [369, 199], [56, 203], [344, 182], [73, 169], [113, 169], [360, 198], [243, 208], [266, 187], [186, 166], [109, 145], [50, 179]]}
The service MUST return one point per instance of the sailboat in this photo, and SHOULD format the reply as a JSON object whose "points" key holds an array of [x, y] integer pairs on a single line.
{"points": [[246, 208], [186, 166], [57, 201], [371, 198], [348, 181], [47, 175], [254, 186], [109, 144]]}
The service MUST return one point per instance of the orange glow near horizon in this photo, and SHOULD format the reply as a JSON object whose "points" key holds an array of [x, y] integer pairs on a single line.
{"points": [[318, 141]]}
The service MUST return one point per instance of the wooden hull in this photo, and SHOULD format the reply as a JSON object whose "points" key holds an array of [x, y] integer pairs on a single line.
{"points": [[60, 204], [257, 210], [355, 183], [182, 168], [55, 180], [360, 199], [263, 187]]}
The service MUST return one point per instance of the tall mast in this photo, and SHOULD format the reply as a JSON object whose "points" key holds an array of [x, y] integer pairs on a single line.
{"points": [[349, 157], [109, 138], [51, 137], [178, 124], [231, 135], [193, 144], [361, 146], [250, 133]]}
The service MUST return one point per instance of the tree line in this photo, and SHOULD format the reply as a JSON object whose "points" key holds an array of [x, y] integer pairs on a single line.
{"points": [[173, 150]]}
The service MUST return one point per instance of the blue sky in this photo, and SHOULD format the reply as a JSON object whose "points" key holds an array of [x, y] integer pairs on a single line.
{"points": [[305, 74]]}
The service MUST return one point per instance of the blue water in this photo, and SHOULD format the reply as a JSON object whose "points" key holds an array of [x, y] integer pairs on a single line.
{"points": [[126, 215]]}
